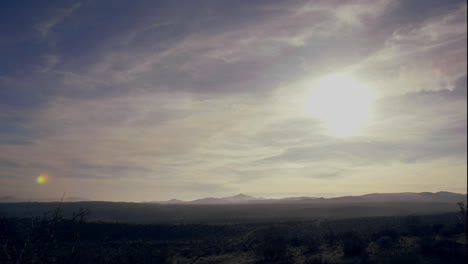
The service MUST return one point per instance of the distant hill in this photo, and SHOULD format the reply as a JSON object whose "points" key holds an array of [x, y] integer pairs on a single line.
{"points": [[9, 199], [444, 197], [244, 208], [236, 199], [12, 199]]}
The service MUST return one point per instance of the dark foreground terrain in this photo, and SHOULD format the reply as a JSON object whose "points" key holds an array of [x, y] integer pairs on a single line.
{"points": [[61, 236]]}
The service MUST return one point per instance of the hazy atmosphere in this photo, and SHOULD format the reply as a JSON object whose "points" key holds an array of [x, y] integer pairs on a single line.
{"points": [[154, 100]]}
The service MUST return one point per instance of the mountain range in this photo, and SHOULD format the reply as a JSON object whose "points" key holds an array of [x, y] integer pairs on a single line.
{"points": [[443, 197]]}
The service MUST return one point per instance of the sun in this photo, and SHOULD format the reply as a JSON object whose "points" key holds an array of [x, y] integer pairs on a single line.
{"points": [[341, 101]]}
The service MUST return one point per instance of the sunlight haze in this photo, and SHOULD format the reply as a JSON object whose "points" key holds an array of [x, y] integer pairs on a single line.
{"points": [[155, 100]]}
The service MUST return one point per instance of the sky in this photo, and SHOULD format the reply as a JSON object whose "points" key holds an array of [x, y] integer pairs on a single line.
{"points": [[154, 100]]}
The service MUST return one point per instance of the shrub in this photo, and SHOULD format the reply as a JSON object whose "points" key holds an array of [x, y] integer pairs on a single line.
{"points": [[312, 245], [353, 244], [164, 256], [272, 247], [392, 233], [316, 260], [385, 242], [331, 239], [442, 248], [402, 259]]}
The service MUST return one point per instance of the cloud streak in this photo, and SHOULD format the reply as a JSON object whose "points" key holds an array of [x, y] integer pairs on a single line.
{"points": [[157, 100]]}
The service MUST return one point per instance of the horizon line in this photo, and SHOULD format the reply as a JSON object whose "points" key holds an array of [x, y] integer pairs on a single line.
{"points": [[82, 199]]}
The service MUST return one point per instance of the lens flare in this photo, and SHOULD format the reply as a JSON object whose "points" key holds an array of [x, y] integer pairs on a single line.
{"points": [[43, 178]]}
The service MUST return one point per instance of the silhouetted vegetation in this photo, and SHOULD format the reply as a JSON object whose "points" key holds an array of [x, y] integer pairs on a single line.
{"points": [[54, 238], [272, 246], [353, 244]]}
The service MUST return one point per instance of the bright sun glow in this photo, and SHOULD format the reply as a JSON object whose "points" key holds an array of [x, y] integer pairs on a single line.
{"points": [[341, 101]]}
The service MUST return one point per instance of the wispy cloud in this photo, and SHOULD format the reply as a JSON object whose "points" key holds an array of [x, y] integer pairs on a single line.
{"points": [[45, 29], [208, 98]]}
